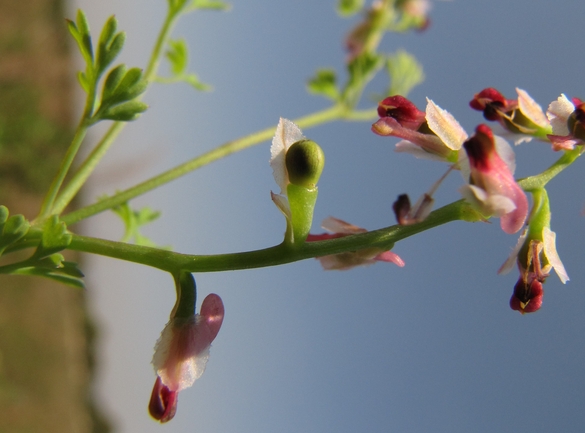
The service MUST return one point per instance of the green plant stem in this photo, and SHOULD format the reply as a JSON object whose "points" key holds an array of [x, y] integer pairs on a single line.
{"points": [[88, 166], [540, 180], [273, 256], [48, 207], [320, 117]]}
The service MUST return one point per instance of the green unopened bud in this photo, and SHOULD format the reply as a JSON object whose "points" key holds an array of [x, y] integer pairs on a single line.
{"points": [[304, 163]]}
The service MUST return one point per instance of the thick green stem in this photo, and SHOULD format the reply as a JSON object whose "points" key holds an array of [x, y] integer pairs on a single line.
{"points": [[226, 149], [273, 256]]}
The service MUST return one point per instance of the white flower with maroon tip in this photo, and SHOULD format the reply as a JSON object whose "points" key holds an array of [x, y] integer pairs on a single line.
{"points": [[492, 188], [436, 136]]}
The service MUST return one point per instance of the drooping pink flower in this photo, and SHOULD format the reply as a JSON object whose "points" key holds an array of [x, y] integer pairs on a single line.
{"points": [[181, 355], [492, 187], [342, 261]]}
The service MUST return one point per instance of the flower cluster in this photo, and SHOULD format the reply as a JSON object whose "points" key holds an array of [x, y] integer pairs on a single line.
{"points": [[487, 163]]}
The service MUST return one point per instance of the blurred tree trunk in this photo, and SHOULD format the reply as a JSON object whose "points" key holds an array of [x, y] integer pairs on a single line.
{"points": [[45, 336]]}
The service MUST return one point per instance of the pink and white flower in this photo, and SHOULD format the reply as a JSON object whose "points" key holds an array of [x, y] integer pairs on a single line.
{"points": [[343, 261], [181, 354], [437, 135], [492, 187]]}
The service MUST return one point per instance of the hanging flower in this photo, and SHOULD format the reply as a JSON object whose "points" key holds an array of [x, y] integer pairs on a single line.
{"points": [[436, 136], [181, 354], [536, 256], [492, 187], [342, 261]]}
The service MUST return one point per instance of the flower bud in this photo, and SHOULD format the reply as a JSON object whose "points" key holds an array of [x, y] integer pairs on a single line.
{"points": [[403, 110], [304, 163]]}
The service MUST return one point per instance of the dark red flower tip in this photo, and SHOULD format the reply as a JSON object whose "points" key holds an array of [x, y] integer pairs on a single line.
{"points": [[527, 297], [576, 101], [403, 111], [576, 121], [480, 146], [163, 402], [492, 103], [401, 209]]}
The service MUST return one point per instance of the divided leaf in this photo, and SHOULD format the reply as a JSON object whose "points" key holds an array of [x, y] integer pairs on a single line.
{"points": [[12, 228], [80, 32], [346, 8], [209, 5], [55, 238], [405, 73], [134, 220], [361, 70], [324, 83], [56, 268], [178, 56], [109, 45], [121, 87]]}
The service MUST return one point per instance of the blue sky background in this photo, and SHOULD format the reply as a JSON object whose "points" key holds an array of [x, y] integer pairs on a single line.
{"points": [[432, 347]]}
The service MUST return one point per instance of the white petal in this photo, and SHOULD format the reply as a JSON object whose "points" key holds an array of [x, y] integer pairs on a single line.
{"points": [[281, 203], [550, 250], [522, 139], [286, 134], [405, 146], [179, 370], [489, 204], [558, 113], [530, 108], [335, 225], [513, 257], [506, 152], [443, 124]]}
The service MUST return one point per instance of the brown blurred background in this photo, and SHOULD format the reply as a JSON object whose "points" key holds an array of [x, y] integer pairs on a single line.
{"points": [[46, 360]]}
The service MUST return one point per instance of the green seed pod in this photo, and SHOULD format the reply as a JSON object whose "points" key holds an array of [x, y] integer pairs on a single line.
{"points": [[304, 163]]}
